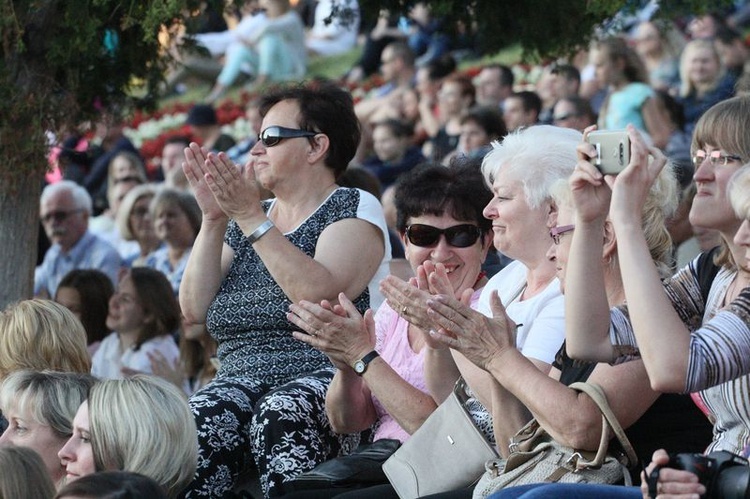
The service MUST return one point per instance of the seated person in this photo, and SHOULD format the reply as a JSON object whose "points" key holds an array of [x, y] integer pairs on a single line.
{"points": [[521, 109], [204, 125], [480, 126], [140, 424], [177, 220], [394, 152], [144, 315], [86, 293], [65, 208], [40, 406], [334, 33], [274, 52], [441, 224], [171, 162]]}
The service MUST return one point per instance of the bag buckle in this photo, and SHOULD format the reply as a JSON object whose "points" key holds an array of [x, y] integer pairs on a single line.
{"points": [[573, 460], [513, 447]]}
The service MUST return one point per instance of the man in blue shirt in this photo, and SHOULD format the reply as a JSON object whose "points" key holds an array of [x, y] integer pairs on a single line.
{"points": [[65, 208]]}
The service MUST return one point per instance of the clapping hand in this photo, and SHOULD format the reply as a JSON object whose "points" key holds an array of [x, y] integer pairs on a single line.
{"points": [[479, 338], [338, 331]]}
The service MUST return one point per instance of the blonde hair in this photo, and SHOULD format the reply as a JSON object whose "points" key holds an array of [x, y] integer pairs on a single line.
{"points": [[739, 192], [143, 424], [50, 398], [687, 87], [126, 208], [24, 474], [660, 204], [41, 334]]}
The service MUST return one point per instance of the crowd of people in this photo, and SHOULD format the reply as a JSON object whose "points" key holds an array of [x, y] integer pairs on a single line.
{"points": [[258, 306]]}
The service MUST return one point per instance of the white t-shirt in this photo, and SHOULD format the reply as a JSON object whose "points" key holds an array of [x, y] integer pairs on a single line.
{"points": [[542, 317], [107, 361]]}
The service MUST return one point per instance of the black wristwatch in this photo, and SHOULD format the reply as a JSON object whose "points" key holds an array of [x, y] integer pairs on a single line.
{"points": [[361, 365]]}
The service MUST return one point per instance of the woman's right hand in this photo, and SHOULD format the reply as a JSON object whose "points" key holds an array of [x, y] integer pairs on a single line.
{"points": [[194, 168], [591, 194], [672, 483]]}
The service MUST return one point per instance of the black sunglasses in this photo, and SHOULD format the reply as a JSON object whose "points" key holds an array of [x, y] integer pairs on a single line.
{"points": [[272, 135], [458, 236]]}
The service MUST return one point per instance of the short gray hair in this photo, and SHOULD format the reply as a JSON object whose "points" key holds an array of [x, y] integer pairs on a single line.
{"points": [[48, 397], [537, 157], [80, 195]]}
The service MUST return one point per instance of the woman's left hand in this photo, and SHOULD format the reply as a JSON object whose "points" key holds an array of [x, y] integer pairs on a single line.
{"points": [[234, 186], [479, 338], [631, 187], [340, 333]]}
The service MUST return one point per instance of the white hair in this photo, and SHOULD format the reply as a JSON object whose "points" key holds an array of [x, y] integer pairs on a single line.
{"points": [[80, 195], [537, 157]]}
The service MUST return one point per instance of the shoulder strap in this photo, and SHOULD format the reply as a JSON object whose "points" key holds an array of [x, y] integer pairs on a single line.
{"points": [[600, 399], [707, 271]]}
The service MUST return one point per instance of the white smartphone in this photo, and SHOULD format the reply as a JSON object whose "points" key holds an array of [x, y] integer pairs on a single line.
{"points": [[612, 150]]}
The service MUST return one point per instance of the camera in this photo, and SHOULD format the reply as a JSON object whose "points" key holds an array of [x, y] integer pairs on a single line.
{"points": [[612, 150], [725, 475]]}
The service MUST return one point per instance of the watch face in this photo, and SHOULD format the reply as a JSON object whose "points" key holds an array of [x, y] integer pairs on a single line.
{"points": [[359, 367]]}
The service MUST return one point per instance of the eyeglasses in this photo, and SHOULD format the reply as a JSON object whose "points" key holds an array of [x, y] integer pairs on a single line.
{"points": [[272, 135], [458, 236], [59, 216], [556, 232], [715, 157]]}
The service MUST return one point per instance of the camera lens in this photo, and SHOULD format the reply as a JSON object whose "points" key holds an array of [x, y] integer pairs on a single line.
{"points": [[732, 482]]}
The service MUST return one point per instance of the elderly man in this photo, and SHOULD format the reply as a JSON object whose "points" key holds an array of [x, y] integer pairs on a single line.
{"points": [[65, 210]]}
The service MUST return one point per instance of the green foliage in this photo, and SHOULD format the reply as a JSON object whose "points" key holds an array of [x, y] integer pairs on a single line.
{"points": [[544, 28]]}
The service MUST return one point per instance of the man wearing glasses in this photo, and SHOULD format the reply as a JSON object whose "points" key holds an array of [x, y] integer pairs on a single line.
{"points": [[65, 208]]}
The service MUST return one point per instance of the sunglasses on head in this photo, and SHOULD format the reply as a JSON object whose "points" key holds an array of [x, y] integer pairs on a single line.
{"points": [[458, 236], [272, 135]]}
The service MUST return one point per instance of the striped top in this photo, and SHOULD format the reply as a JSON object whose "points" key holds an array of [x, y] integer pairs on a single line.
{"points": [[719, 360]]}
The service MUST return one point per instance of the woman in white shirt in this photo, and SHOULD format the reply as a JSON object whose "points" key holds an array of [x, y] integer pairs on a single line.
{"points": [[144, 313]]}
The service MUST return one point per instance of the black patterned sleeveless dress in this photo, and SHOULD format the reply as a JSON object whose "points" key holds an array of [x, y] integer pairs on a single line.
{"points": [[258, 353]]}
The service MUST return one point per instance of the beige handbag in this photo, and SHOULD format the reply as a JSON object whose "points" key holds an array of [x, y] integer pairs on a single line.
{"points": [[537, 458], [447, 452]]}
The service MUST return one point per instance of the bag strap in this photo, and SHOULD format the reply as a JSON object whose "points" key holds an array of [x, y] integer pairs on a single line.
{"points": [[707, 271], [609, 420]]}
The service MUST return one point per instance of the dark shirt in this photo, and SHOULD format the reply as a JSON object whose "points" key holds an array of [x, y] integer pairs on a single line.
{"points": [[223, 143], [386, 172], [673, 422], [694, 106], [96, 180]]}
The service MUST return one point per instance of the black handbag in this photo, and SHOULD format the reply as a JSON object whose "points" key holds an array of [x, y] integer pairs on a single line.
{"points": [[363, 467]]}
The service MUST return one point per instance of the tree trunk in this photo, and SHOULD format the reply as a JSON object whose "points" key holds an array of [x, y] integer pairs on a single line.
{"points": [[19, 231]]}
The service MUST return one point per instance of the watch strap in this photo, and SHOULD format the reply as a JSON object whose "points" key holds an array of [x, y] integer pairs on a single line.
{"points": [[365, 361]]}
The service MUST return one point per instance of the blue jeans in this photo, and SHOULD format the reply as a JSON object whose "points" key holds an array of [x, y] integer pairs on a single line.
{"points": [[568, 491]]}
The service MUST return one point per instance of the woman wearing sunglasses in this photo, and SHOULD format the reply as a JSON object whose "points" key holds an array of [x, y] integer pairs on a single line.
{"points": [[252, 259], [441, 224], [650, 420], [521, 170]]}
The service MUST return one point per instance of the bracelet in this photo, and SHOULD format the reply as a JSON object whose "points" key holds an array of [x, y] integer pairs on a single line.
{"points": [[260, 231]]}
